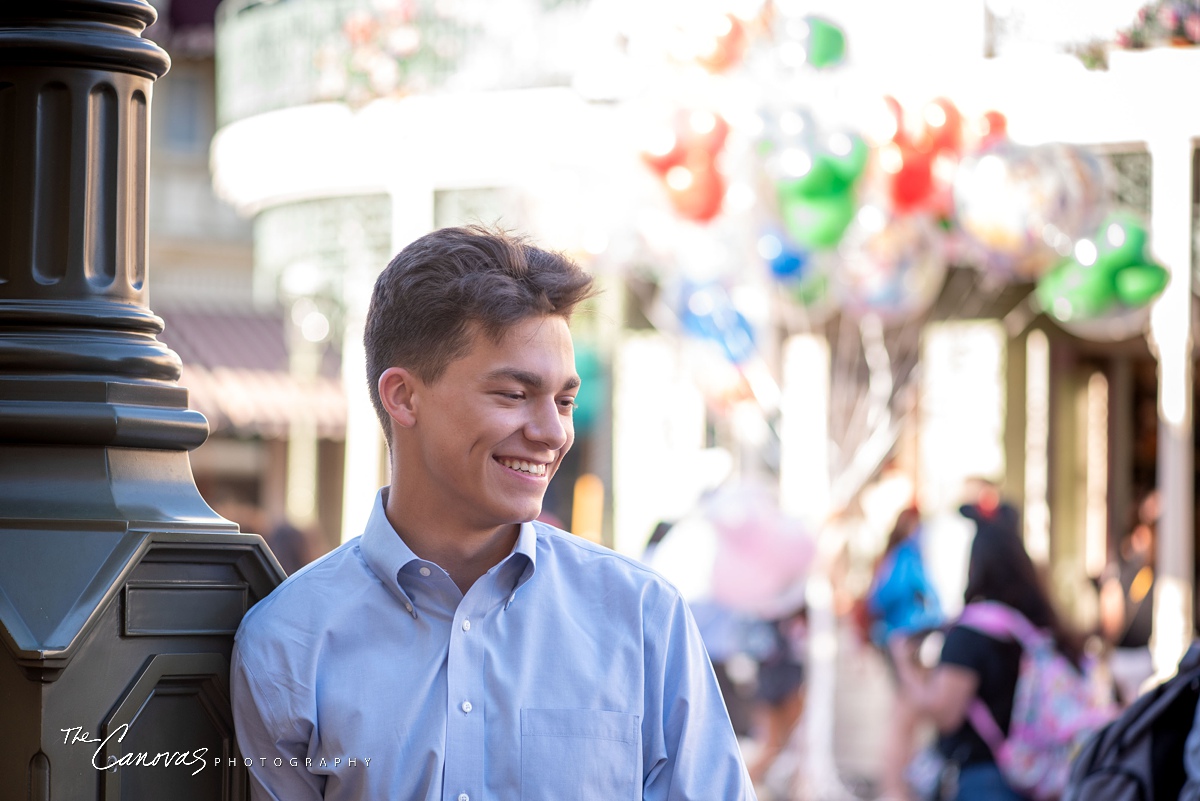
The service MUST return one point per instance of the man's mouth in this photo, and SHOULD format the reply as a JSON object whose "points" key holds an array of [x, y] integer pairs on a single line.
{"points": [[532, 468]]}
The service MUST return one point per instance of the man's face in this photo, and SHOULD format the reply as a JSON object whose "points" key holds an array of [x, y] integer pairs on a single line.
{"points": [[494, 427]]}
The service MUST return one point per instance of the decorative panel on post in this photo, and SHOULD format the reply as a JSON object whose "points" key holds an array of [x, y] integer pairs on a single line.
{"points": [[120, 589]]}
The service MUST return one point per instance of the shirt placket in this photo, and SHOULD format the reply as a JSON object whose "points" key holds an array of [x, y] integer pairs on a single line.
{"points": [[465, 701]]}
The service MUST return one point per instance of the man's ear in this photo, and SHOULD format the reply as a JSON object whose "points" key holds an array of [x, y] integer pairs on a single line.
{"points": [[397, 392]]}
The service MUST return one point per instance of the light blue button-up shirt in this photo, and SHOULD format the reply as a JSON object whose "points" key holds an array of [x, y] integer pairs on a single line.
{"points": [[566, 672]]}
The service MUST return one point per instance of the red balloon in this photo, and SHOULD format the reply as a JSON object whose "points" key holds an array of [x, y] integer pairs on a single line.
{"points": [[896, 113], [704, 130], [696, 189], [727, 46], [941, 130], [685, 157], [664, 153], [992, 128], [912, 178], [689, 132]]}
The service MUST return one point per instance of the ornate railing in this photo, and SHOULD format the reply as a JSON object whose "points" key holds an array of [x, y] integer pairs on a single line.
{"points": [[274, 55]]}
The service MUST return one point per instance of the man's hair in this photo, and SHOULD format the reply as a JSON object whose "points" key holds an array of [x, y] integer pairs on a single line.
{"points": [[427, 299]]}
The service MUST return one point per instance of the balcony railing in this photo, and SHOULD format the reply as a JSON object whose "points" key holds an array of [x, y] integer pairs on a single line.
{"points": [[284, 53], [273, 55]]}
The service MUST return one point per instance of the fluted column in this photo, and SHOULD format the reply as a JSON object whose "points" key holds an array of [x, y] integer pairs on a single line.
{"points": [[120, 589]]}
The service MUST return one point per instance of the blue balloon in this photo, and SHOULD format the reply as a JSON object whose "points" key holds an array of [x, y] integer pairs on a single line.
{"points": [[785, 260], [707, 313]]}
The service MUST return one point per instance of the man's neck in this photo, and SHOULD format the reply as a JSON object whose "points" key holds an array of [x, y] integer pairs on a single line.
{"points": [[463, 552]]}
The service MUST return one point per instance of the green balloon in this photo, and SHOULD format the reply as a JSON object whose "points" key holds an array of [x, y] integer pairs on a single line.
{"points": [[850, 166], [1130, 245], [1110, 263], [1138, 284], [1073, 292], [826, 43], [816, 223], [820, 181]]}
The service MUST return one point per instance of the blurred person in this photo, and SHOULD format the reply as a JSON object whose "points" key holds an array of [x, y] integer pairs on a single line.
{"points": [[1127, 604], [293, 547], [901, 602], [779, 691], [457, 649], [975, 665], [991, 514]]}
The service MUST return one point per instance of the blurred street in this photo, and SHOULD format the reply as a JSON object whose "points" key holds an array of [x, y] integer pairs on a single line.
{"points": [[862, 702]]}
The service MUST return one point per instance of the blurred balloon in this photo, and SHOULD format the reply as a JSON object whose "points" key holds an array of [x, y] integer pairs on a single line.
{"points": [[810, 295], [824, 42], [721, 42], [1108, 275], [707, 312], [763, 555], [1116, 325], [1003, 198], [918, 159], [911, 175], [815, 222], [941, 129], [1081, 199], [683, 152], [696, 189], [784, 260], [814, 179], [1026, 206], [892, 265], [990, 129]]}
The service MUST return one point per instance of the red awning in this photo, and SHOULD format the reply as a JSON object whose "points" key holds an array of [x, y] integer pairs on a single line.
{"points": [[236, 370]]}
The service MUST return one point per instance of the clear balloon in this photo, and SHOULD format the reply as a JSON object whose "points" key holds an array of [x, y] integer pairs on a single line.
{"points": [[1117, 325], [1003, 199], [892, 265]]}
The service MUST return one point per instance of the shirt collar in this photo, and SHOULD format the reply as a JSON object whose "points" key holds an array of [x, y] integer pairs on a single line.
{"points": [[387, 553], [383, 549]]}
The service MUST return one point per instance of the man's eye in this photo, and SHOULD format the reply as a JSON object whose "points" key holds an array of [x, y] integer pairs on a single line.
{"points": [[568, 403], [514, 396]]}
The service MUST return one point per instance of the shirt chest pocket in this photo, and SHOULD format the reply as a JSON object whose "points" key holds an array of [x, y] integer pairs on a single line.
{"points": [[578, 755]]}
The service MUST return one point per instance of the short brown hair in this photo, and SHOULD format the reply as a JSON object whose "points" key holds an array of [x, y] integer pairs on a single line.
{"points": [[427, 298]]}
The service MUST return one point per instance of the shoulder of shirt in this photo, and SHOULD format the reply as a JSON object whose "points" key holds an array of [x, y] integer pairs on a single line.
{"points": [[294, 596], [587, 551]]}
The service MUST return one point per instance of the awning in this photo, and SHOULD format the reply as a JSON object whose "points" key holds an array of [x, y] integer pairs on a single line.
{"points": [[235, 367]]}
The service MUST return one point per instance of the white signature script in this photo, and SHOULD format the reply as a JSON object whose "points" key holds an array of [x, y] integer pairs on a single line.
{"points": [[76, 734]]}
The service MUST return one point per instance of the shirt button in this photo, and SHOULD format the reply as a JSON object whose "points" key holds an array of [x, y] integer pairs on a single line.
{"points": [[464, 797], [466, 706], [408, 607], [424, 571], [466, 625]]}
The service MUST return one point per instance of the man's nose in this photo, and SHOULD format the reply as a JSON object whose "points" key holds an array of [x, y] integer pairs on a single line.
{"points": [[549, 426]]}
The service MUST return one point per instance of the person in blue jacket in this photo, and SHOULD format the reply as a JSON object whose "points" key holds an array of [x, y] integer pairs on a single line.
{"points": [[901, 601]]}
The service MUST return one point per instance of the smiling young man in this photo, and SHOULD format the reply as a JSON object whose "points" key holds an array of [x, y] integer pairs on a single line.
{"points": [[468, 653]]}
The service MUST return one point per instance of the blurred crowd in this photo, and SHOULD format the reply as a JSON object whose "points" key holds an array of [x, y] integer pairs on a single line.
{"points": [[961, 661]]}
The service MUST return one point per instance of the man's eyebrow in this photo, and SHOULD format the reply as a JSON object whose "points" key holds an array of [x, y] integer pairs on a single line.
{"points": [[531, 380]]}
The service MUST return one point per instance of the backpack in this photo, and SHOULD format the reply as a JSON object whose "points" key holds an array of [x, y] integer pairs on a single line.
{"points": [[1055, 706], [1140, 755]]}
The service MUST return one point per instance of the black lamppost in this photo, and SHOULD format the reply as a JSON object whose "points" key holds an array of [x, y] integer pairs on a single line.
{"points": [[120, 589]]}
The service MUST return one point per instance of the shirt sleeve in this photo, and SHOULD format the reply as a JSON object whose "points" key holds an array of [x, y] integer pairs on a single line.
{"points": [[261, 741], [690, 751]]}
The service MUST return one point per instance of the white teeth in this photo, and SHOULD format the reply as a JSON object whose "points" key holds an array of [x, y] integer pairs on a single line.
{"points": [[525, 467]]}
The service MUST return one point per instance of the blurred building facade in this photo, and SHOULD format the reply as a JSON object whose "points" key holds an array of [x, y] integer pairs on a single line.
{"points": [[238, 345], [345, 129]]}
